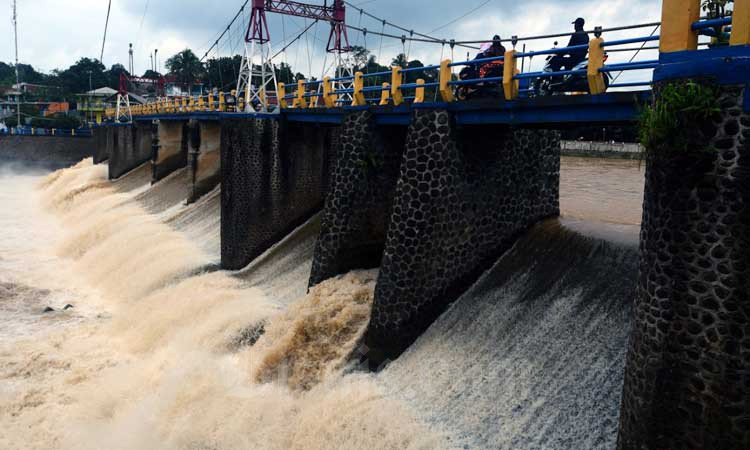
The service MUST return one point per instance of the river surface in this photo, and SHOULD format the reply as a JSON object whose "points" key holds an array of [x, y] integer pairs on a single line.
{"points": [[158, 350]]}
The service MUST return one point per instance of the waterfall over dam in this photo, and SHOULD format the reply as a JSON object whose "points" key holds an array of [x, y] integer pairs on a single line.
{"points": [[531, 356]]}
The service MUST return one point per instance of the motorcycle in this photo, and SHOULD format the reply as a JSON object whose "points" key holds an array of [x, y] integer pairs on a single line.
{"points": [[484, 89], [563, 84]]}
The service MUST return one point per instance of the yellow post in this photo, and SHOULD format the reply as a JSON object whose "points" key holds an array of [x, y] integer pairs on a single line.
{"points": [[241, 103], [201, 104], [281, 91], [596, 62], [446, 76], [184, 106], [300, 101], [396, 79], [385, 95], [211, 102], [358, 98], [740, 23], [419, 96], [72, 131], [191, 104], [510, 69], [677, 17], [222, 102], [329, 97]]}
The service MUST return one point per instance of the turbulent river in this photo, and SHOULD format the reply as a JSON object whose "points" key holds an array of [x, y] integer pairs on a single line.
{"points": [[157, 349]]}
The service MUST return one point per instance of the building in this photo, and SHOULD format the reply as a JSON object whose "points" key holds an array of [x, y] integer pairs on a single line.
{"points": [[92, 104]]}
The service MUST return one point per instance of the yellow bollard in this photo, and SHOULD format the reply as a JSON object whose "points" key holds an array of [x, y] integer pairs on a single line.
{"points": [[385, 95], [740, 23], [677, 18], [596, 62], [419, 96], [211, 102], [329, 97], [281, 91], [446, 76], [300, 101], [510, 86], [396, 79], [358, 98], [222, 103], [201, 104]]}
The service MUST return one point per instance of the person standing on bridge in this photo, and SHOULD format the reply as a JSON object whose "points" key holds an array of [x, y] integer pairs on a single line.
{"points": [[566, 61]]}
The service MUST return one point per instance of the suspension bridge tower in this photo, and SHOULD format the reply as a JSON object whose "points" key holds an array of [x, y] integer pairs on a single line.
{"points": [[257, 77]]}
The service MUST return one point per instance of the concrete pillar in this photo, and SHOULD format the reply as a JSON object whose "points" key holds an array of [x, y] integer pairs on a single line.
{"points": [[358, 203], [101, 151], [463, 196], [204, 158], [132, 148], [170, 148], [273, 180], [687, 382]]}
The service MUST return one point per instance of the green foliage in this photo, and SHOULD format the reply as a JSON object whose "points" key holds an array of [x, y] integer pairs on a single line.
{"points": [[185, 67], [672, 123]]}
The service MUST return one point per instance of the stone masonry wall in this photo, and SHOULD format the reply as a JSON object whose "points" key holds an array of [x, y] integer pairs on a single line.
{"points": [[462, 197], [273, 179], [358, 203], [133, 148], [687, 382]]}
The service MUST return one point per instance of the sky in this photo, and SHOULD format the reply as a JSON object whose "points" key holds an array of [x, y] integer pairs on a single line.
{"points": [[54, 34]]}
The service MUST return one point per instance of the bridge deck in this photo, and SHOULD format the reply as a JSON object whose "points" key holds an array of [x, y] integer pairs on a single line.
{"points": [[609, 108]]}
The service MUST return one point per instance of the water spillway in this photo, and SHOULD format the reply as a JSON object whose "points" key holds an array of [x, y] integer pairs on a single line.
{"points": [[532, 355]]}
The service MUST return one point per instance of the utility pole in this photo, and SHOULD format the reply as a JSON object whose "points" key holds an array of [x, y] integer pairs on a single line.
{"points": [[130, 61], [156, 60], [18, 82]]}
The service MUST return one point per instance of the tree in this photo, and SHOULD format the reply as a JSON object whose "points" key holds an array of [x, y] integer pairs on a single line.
{"points": [[185, 67], [360, 55], [222, 72], [82, 76], [113, 75]]}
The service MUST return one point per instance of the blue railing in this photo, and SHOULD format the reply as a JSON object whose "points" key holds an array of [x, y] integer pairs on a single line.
{"points": [[56, 132]]}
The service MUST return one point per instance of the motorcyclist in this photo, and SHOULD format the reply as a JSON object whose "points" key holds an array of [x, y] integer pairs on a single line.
{"points": [[493, 50], [574, 57]]}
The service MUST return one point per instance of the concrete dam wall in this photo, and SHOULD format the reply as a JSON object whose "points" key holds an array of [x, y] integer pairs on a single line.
{"points": [[56, 151]]}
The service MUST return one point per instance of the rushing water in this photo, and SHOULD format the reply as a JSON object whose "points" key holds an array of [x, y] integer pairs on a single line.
{"points": [[160, 350]]}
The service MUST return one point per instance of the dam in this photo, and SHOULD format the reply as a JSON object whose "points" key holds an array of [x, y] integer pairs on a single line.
{"points": [[417, 276]]}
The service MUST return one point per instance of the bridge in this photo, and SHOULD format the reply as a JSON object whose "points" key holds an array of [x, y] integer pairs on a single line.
{"points": [[409, 178]]}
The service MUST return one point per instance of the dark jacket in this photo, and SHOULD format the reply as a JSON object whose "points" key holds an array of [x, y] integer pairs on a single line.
{"points": [[578, 38]]}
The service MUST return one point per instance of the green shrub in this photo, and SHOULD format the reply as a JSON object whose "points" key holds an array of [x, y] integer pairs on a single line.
{"points": [[674, 120]]}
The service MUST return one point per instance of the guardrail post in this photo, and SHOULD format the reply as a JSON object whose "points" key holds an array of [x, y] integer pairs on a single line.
{"points": [[385, 94], [596, 62], [281, 90], [211, 102], [72, 131], [740, 23], [191, 104], [358, 98], [241, 103], [201, 104], [222, 102], [446, 76], [329, 97], [419, 95], [677, 18], [396, 80], [300, 101], [53, 132], [510, 69], [183, 106]]}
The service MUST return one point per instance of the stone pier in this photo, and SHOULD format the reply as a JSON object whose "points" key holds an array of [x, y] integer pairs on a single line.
{"points": [[204, 158], [170, 150]]}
